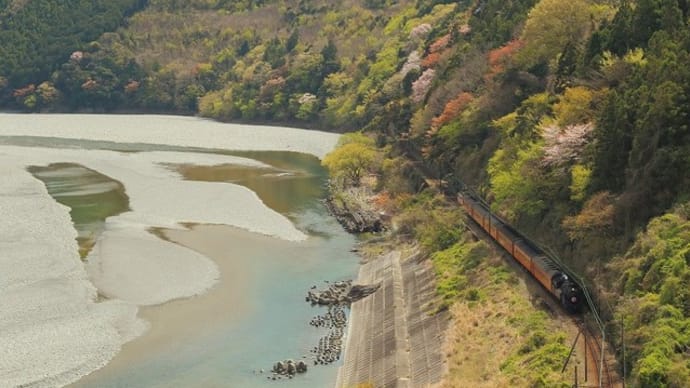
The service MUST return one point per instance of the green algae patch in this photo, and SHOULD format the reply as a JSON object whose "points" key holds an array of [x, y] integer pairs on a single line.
{"points": [[92, 197]]}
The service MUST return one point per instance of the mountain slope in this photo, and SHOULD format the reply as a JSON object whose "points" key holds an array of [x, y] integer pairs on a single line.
{"points": [[569, 116]]}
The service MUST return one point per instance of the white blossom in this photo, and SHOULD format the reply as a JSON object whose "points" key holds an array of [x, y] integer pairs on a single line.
{"points": [[563, 145], [306, 97], [421, 86], [421, 31], [413, 63], [77, 56]]}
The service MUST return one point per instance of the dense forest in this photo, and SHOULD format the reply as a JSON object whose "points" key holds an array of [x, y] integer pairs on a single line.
{"points": [[571, 117], [36, 37]]}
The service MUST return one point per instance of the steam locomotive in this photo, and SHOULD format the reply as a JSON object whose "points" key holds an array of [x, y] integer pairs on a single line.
{"points": [[545, 270]]}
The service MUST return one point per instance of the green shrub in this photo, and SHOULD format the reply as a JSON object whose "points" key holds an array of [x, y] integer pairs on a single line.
{"points": [[540, 356], [655, 307], [453, 267]]}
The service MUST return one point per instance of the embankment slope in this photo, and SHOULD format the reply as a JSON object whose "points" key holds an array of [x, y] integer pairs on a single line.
{"points": [[393, 339]]}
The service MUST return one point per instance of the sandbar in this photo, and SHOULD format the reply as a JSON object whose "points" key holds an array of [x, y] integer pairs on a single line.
{"points": [[179, 321]]}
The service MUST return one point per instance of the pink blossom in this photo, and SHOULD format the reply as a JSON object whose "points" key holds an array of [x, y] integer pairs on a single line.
{"points": [[132, 86], [421, 31], [77, 56], [89, 84], [421, 86], [25, 91], [564, 145]]}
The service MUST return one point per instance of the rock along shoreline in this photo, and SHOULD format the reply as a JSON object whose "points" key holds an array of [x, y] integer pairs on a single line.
{"points": [[336, 297]]}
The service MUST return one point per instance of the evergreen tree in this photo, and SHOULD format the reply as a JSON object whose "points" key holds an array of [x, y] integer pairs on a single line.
{"points": [[566, 66], [292, 41], [329, 54]]}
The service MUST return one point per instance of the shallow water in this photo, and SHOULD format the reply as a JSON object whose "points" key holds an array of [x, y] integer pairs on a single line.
{"points": [[256, 315], [91, 197], [294, 182], [221, 339], [270, 321]]}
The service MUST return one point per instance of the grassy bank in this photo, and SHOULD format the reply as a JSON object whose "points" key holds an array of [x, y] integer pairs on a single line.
{"points": [[500, 336]]}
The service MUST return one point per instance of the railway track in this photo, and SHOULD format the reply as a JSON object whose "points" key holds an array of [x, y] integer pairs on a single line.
{"points": [[590, 345], [604, 377]]}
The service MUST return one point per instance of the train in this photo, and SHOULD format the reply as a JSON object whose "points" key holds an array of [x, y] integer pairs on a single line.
{"points": [[545, 270]]}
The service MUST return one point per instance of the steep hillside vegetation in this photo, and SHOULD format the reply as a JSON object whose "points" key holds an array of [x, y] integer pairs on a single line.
{"points": [[569, 116], [36, 36]]}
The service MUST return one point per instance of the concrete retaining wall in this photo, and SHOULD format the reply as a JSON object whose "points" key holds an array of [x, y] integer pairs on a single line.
{"points": [[394, 339]]}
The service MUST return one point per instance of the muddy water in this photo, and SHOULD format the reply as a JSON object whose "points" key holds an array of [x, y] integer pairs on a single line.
{"points": [[293, 182]]}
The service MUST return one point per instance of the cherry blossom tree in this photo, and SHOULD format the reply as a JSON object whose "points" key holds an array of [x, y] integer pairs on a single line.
{"points": [[421, 31], [421, 86], [565, 145], [413, 63]]}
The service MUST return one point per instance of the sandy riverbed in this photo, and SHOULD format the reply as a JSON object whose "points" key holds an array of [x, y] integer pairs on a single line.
{"points": [[175, 322], [54, 329]]}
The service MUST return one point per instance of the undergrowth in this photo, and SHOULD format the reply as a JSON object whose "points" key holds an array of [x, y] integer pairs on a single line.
{"points": [[500, 338]]}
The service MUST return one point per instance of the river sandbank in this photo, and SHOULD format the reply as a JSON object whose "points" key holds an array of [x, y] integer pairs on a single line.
{"points": [[56, 327], [173, 323]]}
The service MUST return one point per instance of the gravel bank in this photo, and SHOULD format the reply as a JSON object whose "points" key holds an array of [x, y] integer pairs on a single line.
{"points": [[51, 329]]}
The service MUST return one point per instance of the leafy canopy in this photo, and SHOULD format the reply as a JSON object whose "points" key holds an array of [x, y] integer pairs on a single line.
{"points": [[354, 155], [550, 25]]}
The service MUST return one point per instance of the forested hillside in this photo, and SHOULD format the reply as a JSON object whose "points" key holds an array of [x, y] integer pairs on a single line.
{"points": [[36, 36], [569, 116]]}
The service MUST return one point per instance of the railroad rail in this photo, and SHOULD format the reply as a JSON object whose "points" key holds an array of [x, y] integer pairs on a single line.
{"points": [[604, 376], [594, 354]]}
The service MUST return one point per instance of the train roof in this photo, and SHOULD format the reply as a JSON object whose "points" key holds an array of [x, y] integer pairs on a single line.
{"points": [[548, 260]]}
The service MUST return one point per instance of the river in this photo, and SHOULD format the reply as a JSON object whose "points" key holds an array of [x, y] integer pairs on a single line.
{"points": [[200, 241]]}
